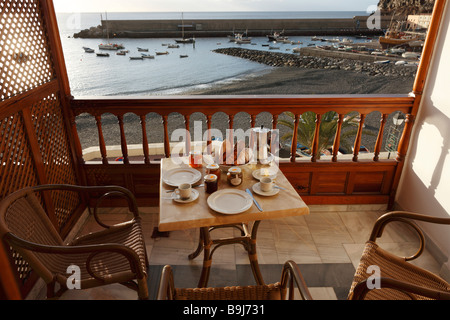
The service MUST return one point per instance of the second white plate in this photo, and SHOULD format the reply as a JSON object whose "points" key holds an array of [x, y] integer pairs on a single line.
{"points": [[230, 201], [175, 177]]}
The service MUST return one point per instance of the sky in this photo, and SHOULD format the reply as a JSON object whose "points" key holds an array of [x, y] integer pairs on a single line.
{"points": [[210, 5]]}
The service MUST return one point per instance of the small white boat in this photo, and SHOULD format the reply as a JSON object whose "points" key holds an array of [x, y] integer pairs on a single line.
{"points": [[88, 50], [142, 49], [110, 46], [411, 55], [296, 49], [173, 46], [346, 41], [400, 63], [382, 62]]}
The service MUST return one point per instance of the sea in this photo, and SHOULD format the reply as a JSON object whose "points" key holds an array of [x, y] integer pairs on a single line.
{"points": [[90, 75]]}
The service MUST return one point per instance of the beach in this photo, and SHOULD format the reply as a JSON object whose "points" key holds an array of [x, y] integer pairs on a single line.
{"points": [[295, 81]]}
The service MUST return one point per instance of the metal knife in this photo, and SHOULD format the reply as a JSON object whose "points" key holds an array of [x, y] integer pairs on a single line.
{"points": [[254, 200]]}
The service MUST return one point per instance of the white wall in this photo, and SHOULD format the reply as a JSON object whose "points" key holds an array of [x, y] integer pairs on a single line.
{"points": [[425, 183]]}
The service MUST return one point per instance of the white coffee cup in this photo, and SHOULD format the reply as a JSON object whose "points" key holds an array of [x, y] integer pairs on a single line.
{"points": [[266, 184], [184, 191]]}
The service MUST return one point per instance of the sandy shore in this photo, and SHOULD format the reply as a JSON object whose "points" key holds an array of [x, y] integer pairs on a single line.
{"points": [[280, 81], [288, 81]]}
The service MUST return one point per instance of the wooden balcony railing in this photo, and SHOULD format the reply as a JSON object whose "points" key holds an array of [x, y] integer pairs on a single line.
{"points": [[342, 179]]}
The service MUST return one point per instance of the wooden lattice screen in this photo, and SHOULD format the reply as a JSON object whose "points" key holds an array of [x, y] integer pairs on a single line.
{"points": [[34, 144]]}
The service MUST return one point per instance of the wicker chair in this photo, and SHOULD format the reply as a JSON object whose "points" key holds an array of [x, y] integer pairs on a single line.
{"points": [[116, 254], [276, 291], [399, 279]]}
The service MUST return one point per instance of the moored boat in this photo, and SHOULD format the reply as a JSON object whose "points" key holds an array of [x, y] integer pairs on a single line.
{"points": [[101, 54], [88, 50]]}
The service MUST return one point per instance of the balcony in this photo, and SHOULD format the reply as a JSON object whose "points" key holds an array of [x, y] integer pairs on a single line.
{"points": [[40, 144]]}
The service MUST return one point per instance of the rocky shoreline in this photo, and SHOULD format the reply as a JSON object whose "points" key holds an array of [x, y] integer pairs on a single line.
{"points": [[279, 59]]}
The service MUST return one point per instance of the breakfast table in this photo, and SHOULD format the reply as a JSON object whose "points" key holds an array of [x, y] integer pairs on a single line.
{"points": [[229, 206]]}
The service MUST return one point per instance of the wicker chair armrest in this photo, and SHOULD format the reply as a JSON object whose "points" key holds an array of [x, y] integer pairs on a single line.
{"points": [[362, 289], [408, 218], [166, 289], [92, 250], [106, 191], [291, 272]]}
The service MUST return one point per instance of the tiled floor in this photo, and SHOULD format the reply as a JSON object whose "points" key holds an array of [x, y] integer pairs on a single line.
{"points": [[326, 244]]}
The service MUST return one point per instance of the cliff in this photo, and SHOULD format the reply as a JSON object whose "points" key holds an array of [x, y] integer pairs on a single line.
{"points": [[405, 7]]}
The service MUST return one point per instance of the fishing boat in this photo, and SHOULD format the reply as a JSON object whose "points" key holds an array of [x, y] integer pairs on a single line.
{"points": [[241, 39], [183, 39], [277, 36], [108, 45], [88, 50]]}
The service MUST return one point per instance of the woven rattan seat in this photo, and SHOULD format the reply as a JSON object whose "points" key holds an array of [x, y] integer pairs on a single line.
{"points": [[394, 267], [116, 254], [276, 291], [261, 292]]}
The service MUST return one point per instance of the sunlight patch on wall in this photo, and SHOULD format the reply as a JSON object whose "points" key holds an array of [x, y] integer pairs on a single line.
{"points": [[429, 149]]}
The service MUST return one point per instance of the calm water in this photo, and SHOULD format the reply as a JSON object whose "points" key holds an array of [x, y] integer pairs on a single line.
{"points": [[166, 74]]}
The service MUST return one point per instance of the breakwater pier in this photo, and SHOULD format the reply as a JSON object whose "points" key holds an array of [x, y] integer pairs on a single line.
{"points": [[315, 59], [358, 25]]}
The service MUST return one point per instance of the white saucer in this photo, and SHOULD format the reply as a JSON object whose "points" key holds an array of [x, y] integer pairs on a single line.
{"points": [[257, 188], [194, 196]]}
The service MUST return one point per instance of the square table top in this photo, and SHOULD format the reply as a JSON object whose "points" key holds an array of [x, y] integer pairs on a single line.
{"points": [[180, 216]]}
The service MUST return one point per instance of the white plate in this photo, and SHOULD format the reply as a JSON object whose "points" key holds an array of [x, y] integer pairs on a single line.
{"points": [[257, 174], [230, 201], [193, 197], [175, 177], [257, 188]]}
